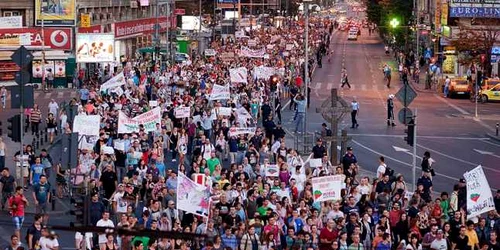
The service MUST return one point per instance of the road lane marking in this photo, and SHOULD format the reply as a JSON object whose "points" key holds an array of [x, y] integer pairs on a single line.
{"points": [[486, 153], [457, 159], [452, 105], [398, 161], [286, 104], [483, 139]]}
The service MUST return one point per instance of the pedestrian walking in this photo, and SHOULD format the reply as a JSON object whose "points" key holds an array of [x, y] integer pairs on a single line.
{"points": [[3, 96], [2, 153], [354, 113], [41, 194], [35, 119], [7, 185], [390, 111], [51, 126], [344, 80], [50, 79], [301, 111], [17, 203], [446, 90]]}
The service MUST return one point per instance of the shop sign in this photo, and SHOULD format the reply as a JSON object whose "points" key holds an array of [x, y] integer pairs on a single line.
{"points": [[144, 3], [140, 27], [479, 12], [180, 12], [91, 29], [444, 13], [85, 20], [54, 38]]}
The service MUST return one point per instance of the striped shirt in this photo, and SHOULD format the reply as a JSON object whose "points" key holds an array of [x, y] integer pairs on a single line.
{"points": [[35, 116]]}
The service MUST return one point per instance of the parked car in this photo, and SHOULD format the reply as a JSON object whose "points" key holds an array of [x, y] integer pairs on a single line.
{"points": [[490, 94], [459, 86]]}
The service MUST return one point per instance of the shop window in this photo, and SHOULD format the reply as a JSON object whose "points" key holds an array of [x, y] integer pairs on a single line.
{"points": [[11, 13]]}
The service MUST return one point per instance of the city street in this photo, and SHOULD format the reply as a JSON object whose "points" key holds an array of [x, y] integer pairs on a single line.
{"points": [[446, 127]]}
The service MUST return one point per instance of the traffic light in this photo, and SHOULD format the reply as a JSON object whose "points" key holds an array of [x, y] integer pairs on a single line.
{"points": [[1, 128], [394, 23], [80, 211], [14, 128], [410, 132]]}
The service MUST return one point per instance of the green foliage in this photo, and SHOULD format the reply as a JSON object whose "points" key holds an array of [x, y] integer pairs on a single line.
{"points": [[381, 12]]}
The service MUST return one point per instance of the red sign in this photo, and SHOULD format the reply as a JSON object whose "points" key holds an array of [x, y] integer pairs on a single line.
{"points": [[91, 29], [142, 26], [180, 12], [55, 38]]}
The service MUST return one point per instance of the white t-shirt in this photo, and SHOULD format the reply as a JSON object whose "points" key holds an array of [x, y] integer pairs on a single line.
{"points": [[121, 204], [47, 244], [88, 236], [53, 107], [335, 214], [104, 223], [381, 169], [364, 189], [439, 244]]}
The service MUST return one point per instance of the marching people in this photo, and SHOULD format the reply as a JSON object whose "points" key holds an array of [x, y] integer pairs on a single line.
{"points": [[390, 111]]}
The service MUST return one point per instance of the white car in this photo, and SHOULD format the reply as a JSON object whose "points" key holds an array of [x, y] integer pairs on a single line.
{"points": [[353, 35]]}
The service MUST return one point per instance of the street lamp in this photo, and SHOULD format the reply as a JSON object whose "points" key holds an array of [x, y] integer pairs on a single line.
{"points": [[306, 66], [394, 23]]}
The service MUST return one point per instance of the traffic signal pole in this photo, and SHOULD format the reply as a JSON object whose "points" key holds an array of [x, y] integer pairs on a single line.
{"points": [[414, 155]]}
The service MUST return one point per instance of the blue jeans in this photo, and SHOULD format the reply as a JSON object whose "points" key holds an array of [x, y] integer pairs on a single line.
{"points": [[446, 91], [299, 121]]}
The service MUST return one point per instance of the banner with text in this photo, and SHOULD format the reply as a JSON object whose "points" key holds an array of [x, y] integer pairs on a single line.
{"points": [[327, 188], [262, 72], [192, 197], [131, 125], [254, 53], [182, 112], [234, 131], [87, 124], [479, 196], [220, 92], [238, 75], [114, 82]]}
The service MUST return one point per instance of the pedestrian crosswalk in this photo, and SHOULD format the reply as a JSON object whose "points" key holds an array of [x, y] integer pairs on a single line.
{"points": [[321, 87]]}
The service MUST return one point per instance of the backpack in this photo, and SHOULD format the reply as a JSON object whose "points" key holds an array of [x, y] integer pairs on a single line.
{"points": [[328, 132], [389, 171]]}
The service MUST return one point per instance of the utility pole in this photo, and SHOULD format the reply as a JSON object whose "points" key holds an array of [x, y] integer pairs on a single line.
{"points": [[44, 85], [417, 30], [306, 63], [414, 156]]}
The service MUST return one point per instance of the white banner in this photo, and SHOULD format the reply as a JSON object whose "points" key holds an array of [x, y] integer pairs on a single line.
{"points": [[272, 171], [114, 82], [263, 72], [252, 43], [182, 112], [153, 103], [243, 114], [479, 196], [314, 163], [192, 197], [220, 92], [149, 120], [87, 124], [327, 188], [210, 52], [234, 131], [238, 75], [255, 53], [224, 111]]}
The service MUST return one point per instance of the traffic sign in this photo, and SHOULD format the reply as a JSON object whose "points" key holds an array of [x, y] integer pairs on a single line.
{"points": [[405, 115], [85, 20], [22, 57], [406, 95], [22, 77]]}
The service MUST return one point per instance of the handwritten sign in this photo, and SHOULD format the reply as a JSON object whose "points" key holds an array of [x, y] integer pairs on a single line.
{"points": [[327, 188], [87, 125], [479, 196]]}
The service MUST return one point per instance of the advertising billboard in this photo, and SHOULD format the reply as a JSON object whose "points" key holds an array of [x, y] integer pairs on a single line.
{"points": [[55, 13], [54, 38], [91, 48], [474, 8]]}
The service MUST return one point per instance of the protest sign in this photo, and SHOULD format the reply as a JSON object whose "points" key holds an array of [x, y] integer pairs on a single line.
{"points": [[243, 114], [263, 72], [119, 145], [254, 53], [87, 124], [227, 56], [182, 112], [210, 52], [270, 46], [118, 91], [224, 111], [289, 47], [234, 131], [252, 43], [107, 150], [327, 188], [83, 143], [148, 120], [238, 75], [114, 82], [272, 171], [266, 56], [314, 163], [153, 103], [479, 196], [192, 197], [196, 119], [220, 92]]}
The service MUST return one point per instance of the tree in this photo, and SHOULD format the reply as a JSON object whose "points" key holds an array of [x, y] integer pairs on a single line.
{"points": [[381, 12], [474, 41]]}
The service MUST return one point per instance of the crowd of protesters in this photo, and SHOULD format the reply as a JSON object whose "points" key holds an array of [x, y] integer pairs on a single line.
{"points": [[136, 188]]}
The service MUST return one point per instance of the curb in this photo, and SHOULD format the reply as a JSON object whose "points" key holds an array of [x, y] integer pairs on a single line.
{"points": [[418, 89], [493, 137]]}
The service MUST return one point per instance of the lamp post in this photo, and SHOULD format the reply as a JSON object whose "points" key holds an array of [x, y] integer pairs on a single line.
{"points": [[306, 66], [44, 85]]}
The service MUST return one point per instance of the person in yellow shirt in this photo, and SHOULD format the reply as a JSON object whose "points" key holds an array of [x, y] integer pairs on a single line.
{"points": [[472, 235]]}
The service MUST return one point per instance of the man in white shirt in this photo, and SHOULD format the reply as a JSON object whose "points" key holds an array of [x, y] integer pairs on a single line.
{"points": [[364, 186], [381, 168], [104, 222], [48, 241], [439, 243], [335, 213], [119, 204], [53, 107]]}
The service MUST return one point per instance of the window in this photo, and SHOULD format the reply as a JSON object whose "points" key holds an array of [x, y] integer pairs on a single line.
{"points": [[11, 13]]}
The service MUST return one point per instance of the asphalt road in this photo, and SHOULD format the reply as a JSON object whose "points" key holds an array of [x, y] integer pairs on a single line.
{"points": [[447, 128]]}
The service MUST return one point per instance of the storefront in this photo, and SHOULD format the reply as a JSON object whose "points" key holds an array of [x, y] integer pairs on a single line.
{"points": [[58, 44], [495, 60], [130, 36], [450, 61]]}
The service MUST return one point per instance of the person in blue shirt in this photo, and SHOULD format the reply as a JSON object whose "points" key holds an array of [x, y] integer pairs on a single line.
{"points": [[41, 194], [229, 239], [84, 95], [37, 170]]}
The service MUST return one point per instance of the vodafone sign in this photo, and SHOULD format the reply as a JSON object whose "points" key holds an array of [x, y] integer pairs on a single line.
{"points": [[55, 38]]}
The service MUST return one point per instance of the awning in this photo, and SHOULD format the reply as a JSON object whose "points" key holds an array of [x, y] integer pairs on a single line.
{"points": [[151, 50], [5, 55], [51, 55]]}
